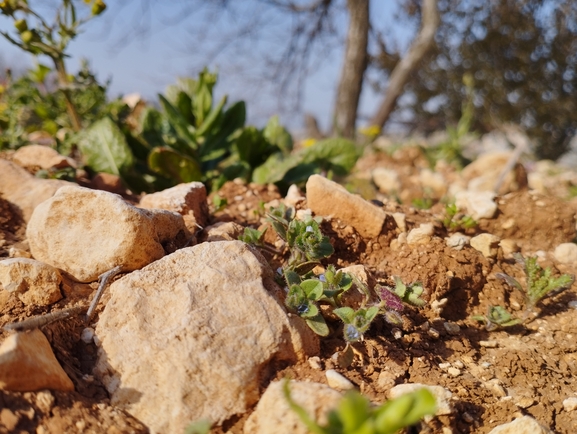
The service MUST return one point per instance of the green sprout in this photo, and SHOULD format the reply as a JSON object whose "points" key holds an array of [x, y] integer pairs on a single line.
{"points": [[304, 238], [497, 317], [357, 322], [335, 284], [540, 282], [252, 236], [454, 221], [355, 414], [422, 203], [410, 294], [219, 203], [302, 298]]}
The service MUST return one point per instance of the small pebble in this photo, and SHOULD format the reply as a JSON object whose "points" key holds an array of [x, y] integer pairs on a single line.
{"points": [[459, 364], [444, 365], [87, 335], [572, 304], [452, 328], [9, 419], [45, 401], [338, 381], [525, 402], [397, 333], [433, 333], [315, 362], [81, 425], [488, 344], [454, 372], [570, 404], [468, 418]]}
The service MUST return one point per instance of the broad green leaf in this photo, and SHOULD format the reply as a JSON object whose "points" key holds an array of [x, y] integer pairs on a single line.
{"points": [[277, 135], [371, 313], [212, 119], [313, 288], [291, 277], [184, 106], [404, 411], [318, 325], [202, 103], [274, 168], [104, 148], [252, 147], [347, 314], [312, 311], [353, 411], [179, 123], [174, 166], [335, 154]]}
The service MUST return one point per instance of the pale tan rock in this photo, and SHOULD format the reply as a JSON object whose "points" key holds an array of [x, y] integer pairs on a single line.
{"points": [[27, 364], [442, 395], [401, 220], [23, 190], [188, 200], [433, 182], [87, 232], [483, 173], [327, 198], [521, 425], [273, 415], [191, 335], [33, 282], [338, 381], [457, 240], [386, 180], [477, 204], [566, 253], [487, 244], [42, 156], [509, 247], [293, 196], [420, 235], [222, 231]]}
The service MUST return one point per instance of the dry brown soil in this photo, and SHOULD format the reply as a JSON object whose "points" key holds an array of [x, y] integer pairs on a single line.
{"points": [[500, 374]]}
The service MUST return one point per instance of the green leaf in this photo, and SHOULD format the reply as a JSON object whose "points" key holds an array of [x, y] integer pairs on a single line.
{"points": [[335, 154], [104, 148], [177, 167], [347, 314], [313, 288], [291, 277], [404, 411], [312, 311], [202, 426], [179, 123], [277, 135], [353, 411], [318, 325], [252, 147], [371, 313], [212, 118]]}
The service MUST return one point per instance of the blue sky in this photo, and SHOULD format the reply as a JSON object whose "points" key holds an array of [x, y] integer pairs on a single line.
{"points": [[147, 63]]}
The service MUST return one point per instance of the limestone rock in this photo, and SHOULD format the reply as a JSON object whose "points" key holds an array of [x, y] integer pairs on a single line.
{"points": [[420, 235], [23, 190], [34, 282], [27, 364], [327, 198], [570, 404], [477, 204], [524, 425], [566, 253], [442, 395], [338, 381], [191, 335], [188, 200], [487, 244], [293, 196], [87, 232], [386, 180], [42, 156], [273, 415], [457, 240], [401, 220], [221, 231]]}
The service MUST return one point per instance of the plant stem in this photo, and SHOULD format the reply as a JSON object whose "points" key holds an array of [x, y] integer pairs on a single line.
{"points": [[63, 85]]}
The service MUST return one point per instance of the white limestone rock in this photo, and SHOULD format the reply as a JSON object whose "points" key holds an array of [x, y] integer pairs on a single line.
{"points": [[477, 204], [327, 198], [23, 190], [191, 335], [27, 364], [188, 200], [386, 180], [338, 381], [524, 425], [273, 415], [457, 240], [487, 244], [87, 232], [420, 235], [33, 282], [41, 156], [566, 253]]}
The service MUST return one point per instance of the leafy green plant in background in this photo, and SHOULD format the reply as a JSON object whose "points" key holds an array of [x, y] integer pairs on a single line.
{"points": [[451, 150], [422, 203], [540, 283], [36, 36], [355, 414], [453, 220]]}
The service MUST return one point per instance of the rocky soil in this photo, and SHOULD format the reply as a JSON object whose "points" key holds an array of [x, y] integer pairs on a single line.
{"points": [[195, 326]]}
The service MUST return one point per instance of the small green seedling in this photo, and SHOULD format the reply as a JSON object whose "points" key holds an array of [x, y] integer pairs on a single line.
{"points": [[335, 284], [410, 294], [201, 426], [422, 203], [355, 414], [302, 298], [357, 322], [540, 282], [304, 238], [454, 221], [497, 317], [252, 236]]}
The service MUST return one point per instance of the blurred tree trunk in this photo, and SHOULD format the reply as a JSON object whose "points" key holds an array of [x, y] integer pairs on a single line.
{"points": [[400, 75], [353, 70]]}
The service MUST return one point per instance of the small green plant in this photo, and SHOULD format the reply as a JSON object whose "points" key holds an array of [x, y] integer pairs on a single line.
{"points": [[355, 414], [540, 282], [422, 203], [454, 220], [357, 322], [304, 238], [410, 294], [252, 236], [219, 203], [497, 317]]}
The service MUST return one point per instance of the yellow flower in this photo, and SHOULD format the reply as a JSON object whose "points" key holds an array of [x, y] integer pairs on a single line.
{"points": [[370, 131], [306, 143]]}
